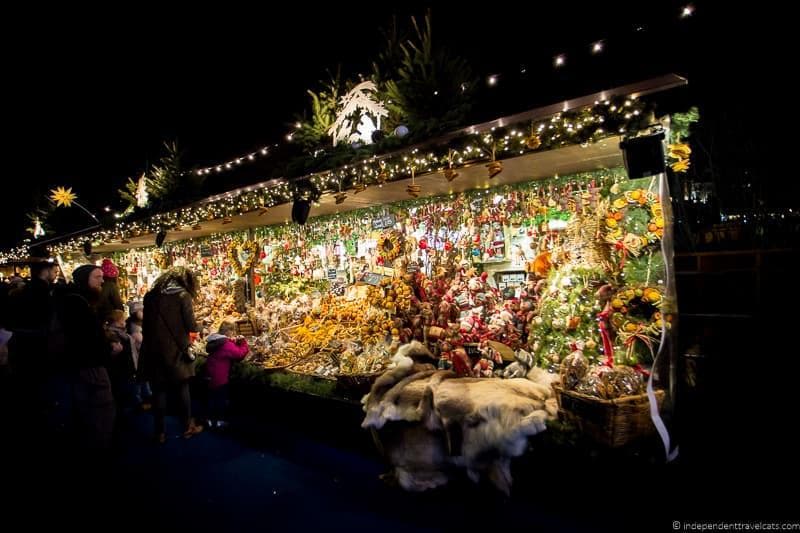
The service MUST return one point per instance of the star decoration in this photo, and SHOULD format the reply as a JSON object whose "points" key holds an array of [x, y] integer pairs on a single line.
{"points": [[63, 197]]}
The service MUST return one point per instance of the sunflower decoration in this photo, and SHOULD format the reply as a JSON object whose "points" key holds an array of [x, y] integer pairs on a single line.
{"points": [[638, 320], [634, 222], [390, 246], [63, 197]]}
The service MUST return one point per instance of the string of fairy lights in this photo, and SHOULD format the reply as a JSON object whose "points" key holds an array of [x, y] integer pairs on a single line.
{"points": [[604, 118], [590, 124]]}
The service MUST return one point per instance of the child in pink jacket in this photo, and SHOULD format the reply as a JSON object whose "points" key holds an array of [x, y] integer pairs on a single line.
{"points": [[222, 350]]}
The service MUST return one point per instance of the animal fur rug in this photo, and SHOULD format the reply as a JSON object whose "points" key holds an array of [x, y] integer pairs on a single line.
{"points": [[428, 424]]}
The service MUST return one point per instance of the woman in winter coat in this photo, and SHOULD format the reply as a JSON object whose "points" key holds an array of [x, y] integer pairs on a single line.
{"points": [[166, 328], [89, 354]]}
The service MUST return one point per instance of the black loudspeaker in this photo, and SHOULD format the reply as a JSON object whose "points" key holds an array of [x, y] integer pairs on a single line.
{"points": [[87, 248], [160, 236], [644, 156], [300, 210]]}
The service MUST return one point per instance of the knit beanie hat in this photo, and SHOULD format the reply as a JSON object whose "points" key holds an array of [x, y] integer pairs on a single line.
{"points": [[110, 270], [80, 276]]}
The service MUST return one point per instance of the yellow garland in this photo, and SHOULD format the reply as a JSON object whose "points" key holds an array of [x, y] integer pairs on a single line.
{"points": [[233, 256]]}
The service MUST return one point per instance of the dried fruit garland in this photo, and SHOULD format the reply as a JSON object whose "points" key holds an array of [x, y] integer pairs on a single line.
{"points": [[626, 237], [636, 316], [390, 246]]}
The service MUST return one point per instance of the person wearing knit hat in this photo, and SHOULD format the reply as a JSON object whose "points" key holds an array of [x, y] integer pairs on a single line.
{"points": [[109, 297], [110, 270]]}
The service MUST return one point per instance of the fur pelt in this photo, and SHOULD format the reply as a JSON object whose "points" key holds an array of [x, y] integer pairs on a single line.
{"points": [[429, 423]]}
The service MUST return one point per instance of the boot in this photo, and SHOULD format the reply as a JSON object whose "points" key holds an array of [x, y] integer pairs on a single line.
{"points": [[192, 429]]}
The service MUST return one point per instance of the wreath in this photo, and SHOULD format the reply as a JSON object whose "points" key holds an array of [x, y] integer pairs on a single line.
{"points": [[634, 222], [636, 317], [389, 246], [242, 256]]}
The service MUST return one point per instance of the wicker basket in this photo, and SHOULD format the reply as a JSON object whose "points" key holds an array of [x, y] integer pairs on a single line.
{"points": [[613, 423], [357, 383]]}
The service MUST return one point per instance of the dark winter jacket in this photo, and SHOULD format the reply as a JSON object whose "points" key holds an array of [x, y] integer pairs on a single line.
{"points": [[168, 320], [222, 351], [28, 315], [86, 345]]}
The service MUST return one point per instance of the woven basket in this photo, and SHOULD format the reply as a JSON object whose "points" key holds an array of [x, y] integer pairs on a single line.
{"points": [[357, 383], [613, 423]]}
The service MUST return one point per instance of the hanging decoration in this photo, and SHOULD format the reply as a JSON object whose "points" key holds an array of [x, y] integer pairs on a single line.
{"points": [[390, 246], [495, 167], [634, 222], [359, 115], [141, 192], [242, 256], [63, 197]]}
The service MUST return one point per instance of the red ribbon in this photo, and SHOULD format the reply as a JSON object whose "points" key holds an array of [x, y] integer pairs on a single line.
{"points": [[608, 348], [620, 246]]}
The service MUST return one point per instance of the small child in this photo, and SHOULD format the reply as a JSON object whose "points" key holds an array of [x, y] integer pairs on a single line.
{"points": [[222, 350], [122, 369], [141, 388]]}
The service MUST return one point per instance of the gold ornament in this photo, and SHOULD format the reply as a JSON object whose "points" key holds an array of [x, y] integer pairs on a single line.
{"points": [[495, 168], [533, 142], [63, 197]]}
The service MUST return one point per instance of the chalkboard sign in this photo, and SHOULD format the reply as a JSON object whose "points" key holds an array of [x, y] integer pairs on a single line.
{"points": [[332, 274], [371, 278], [205, 251], [412, 267], [472, 350], [384, 222]]}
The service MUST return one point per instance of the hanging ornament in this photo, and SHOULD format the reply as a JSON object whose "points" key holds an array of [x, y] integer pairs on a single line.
{"points": [[63, 197], [449, 173], [448, 246], [141, 192], [382, 176], [413, 190], [495, 167], [423, 243], [533, 141], [340, 196]]}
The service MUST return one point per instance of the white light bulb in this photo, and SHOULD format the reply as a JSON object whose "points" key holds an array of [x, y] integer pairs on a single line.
{"points": [[559, 60], [597, 47]]}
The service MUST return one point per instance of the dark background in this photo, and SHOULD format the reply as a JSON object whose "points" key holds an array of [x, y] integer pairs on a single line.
{"points": [[91, 95]]}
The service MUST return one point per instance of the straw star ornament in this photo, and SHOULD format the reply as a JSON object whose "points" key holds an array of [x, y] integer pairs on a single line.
{"points": [[63, 197]]}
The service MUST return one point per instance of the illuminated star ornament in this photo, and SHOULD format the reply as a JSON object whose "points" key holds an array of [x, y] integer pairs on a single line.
{"points": [[63, 197]]}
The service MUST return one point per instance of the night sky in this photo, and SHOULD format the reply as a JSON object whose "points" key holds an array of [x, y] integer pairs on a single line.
{"points": [[91, 96]]}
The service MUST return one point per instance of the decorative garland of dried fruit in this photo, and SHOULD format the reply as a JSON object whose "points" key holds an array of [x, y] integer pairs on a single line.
{"points": [[390, 246], [234, 248], [636, 316], [618, 233]]}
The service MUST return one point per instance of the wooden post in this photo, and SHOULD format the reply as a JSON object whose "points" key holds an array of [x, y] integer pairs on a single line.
{"points": [[251, 271]]}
